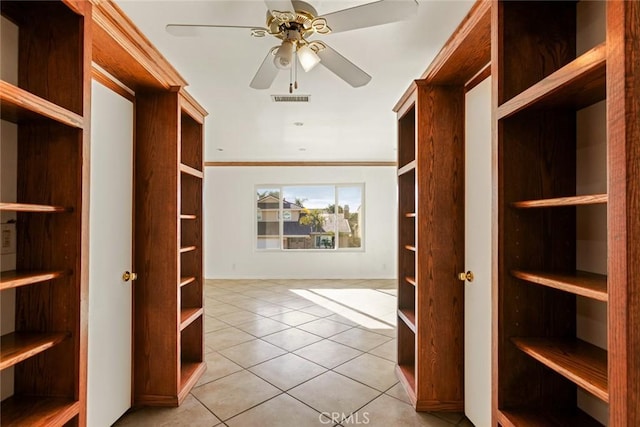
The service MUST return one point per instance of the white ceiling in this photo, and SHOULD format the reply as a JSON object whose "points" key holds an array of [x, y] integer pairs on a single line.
{"points": [[341, 123]]}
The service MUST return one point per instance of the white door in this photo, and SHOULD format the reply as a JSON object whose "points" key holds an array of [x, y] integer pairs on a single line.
{"points": [[477, 295], [110, 254]]}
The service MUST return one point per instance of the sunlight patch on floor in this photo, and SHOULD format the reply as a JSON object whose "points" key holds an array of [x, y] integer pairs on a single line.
{"points": [[369, 308]]}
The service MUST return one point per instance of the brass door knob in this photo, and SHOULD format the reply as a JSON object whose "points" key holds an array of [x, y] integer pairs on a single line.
{"points": [[126, 276], [468, 276]]}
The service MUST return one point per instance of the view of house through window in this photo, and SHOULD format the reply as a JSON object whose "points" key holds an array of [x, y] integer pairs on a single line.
{"points": [[309, 217]]}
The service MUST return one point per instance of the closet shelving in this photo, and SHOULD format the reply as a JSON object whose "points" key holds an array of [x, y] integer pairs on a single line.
{"points": [[542, 82], [407, 244], [169, 291], [191, 222], [430, 299], [48, 102]]}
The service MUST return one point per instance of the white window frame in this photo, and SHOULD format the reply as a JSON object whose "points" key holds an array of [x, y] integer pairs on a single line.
{"points": [[336, 186]]}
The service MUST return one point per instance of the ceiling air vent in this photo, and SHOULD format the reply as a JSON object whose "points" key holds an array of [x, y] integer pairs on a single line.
{"points": [[290, 98]]}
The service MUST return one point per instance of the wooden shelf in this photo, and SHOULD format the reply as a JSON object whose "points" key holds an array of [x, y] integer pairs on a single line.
{"points": [[410, 280], [191, 171], [14, 279], [591, 199], [409, 167], [38, 411], [189, 373], [578, 84], [187, 249], [187, 216], [408, 373], [18, 104], [19, 346], [407, 376], [410, 215], [546, 417], [188, 315], [408, 316], [23, 207], [588, 285], [579, 361], [410, 248], [186, 280]]}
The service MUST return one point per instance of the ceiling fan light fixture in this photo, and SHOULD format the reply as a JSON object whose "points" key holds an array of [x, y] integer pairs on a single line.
{"points": [[308, 58], [295, 21], [284, 55]]}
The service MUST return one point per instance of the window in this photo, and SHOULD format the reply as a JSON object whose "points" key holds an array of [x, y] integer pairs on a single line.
{"points": [[317, 217], [268, 218]]}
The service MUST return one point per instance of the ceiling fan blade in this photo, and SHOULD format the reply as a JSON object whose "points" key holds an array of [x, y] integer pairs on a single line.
{"points": [[342, 67], [267, 72], [192, 30], [370, 14], [280, 5]]}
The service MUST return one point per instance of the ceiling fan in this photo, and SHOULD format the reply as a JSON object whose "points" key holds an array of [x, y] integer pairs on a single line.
{"points": [[295, 22]]}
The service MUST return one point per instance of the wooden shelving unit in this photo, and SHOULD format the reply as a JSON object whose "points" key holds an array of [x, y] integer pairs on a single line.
{"points": [[430, 303], [406, 247], [542, 82], [168, 294], [431, 218], [191, 291], [49, 104]]}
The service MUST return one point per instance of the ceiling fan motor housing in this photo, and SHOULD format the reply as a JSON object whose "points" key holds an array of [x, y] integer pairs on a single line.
{"points": [[280, 23]]}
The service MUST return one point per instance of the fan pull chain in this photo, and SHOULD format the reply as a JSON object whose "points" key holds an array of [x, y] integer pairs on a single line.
{"points": [[291, 79], [295, 64]]}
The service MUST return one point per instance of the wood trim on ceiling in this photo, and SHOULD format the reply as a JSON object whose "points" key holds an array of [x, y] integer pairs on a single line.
{"points": [[305, 164]]}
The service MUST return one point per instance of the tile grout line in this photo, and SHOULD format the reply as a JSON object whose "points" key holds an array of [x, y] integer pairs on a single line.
{"points": [[287, 352]]}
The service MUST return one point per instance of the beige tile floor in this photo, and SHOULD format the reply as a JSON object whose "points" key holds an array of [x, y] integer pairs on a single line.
{"points": [[297, 353]]}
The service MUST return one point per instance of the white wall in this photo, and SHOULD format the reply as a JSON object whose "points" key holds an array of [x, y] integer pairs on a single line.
{"points": [[230, 216]]}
